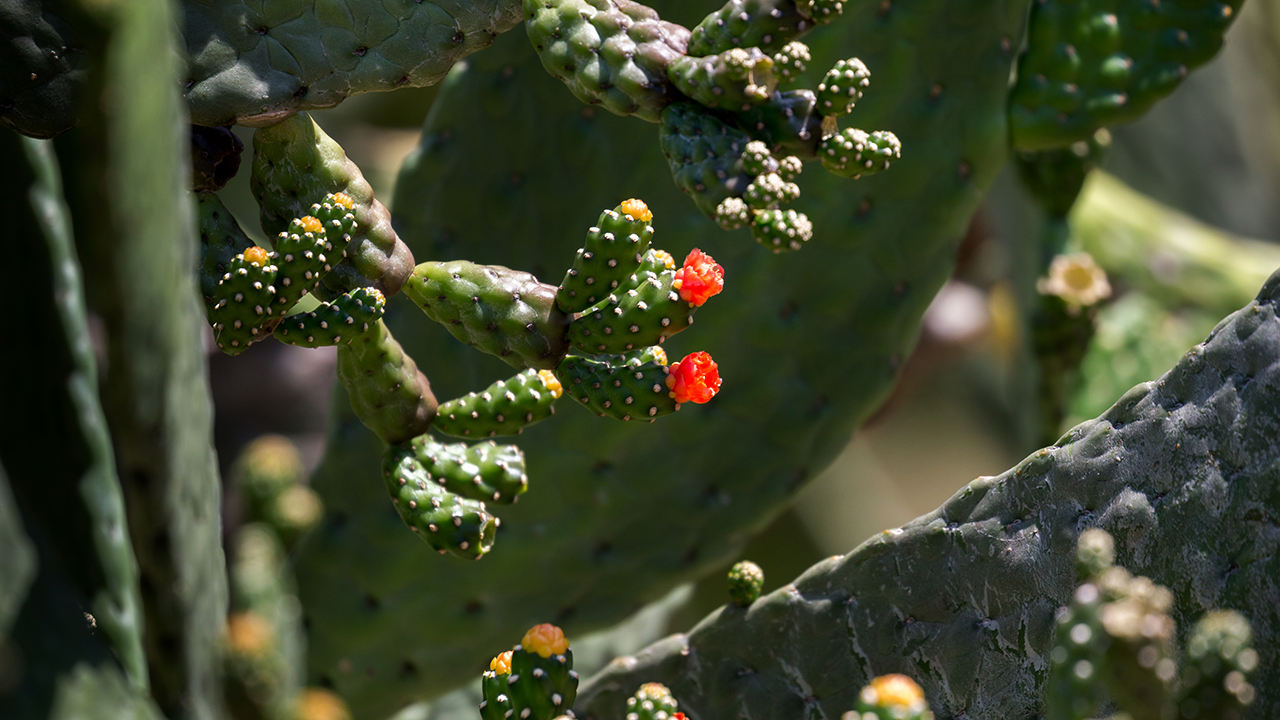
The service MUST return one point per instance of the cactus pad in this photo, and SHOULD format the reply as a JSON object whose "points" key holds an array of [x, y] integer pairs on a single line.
{"points": [[705, 155], [613, 53], [336, 323], [622, 387], [486, 471], [790, 123], [448, 523], [500, 311], [307, 249], [791, 61], [746, 580], [387, 391], [735, 79], [506, 407], [854, 153], [766, 24], [613, 250], [781, 230], [243, 310], [1216, 668], [841, 88], [221, 239], [1095, 63]]}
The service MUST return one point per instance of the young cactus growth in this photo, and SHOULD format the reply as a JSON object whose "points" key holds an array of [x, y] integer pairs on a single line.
{"points": [[305, 250], [533, 681], [336, 323], [842, 87], [853, 153], [497, 310], [485, 471], [1215, 676], [613, 53], [639, 385], [387, 391], [447, 522], [653, 701], [649, 309], [791, 61], [506, 407], [735, 79], [243, 310], [746, 580], [891, 697], [612, 252], [766, 24]]}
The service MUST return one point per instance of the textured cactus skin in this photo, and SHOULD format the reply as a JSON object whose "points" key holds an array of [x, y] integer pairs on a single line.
{"points": [[726, 27], [614, 248], [641, 313], [854, 153], [1105, 62], [255, 65], [609, 52], [746, 580], [790, 123], [539, 692], [294, 164], [506, 407], [447, 522], [221, 239], [485, 471], [626, 387], [245, 309], [705, 154], [733, 80], [336, 323], [785, 333], [494, 309], [1181, 471], [42, 72], [652, 701], [388, 392]]}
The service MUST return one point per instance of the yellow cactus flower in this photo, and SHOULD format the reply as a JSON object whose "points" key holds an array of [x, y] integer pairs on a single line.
{"points": [[636, 208], [501, 664], [256, 255], [552, 383], [889, 691], [248, 634], [311, 225], [1077, 279], [321, 704], [545, 640], [344, 200]]}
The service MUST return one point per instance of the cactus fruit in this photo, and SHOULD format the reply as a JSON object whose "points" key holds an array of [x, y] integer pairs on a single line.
{"points": [[841, 88], [1171, 470], [534, 681], [613, 53], [735, 79], [791, 61], [652, 701], [1216, 668], [614, 248], [335, 323], [891, 697], [506, 407], [294, 162], [447, 522], [1105, 62], [766, 24], [494, 309], [746, 580], [854, 153], [387, 391]]}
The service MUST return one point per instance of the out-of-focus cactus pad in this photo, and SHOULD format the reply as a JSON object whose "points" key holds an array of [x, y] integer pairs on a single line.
{"points": [[255, 64], [506, 407], [294, 163], [1181, 471], [1093, 63], [609, 52], [500, 311]]}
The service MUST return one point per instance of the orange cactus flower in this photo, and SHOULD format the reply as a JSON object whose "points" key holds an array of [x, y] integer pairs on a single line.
{"points": [[256, 256], [636, 208], [310, 224], [545, 640], [696, 378], [344, 200], [501, 664], [678, 716], [699, 279]]}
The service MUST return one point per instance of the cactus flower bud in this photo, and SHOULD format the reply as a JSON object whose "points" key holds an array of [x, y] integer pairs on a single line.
{"points": [[545, 640], [696, 378], [636, 208], [501, 664], [344, 200], [256, 255], [699, 279], [311, 224]]}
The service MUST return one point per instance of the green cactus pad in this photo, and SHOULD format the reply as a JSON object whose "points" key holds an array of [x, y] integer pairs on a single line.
{"points": [[612, 251], [1216, 668], [494, 309], [791, 61], [643, 313], [613, 53], [652, 701], [746, 580], [243, 310], [544, 687], [42, 74], [735, 79], [770, 190], [486, 471], [506, 407], [1095, 63], [766, 24], [841, 88], [336, 323], [789, 123], [617, 386], [254, 65], [854, 153], [781, 230], [823, 11], [387, 391], [310, 245], [734, 213], [705, 155], [221, 239], [448, 523], [294, 164]]}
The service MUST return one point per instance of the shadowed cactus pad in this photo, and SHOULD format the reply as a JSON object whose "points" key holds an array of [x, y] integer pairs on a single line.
{"points": [[503, 312], [506, 407], [733, 80], [613, 53], [447, 522], [705, 155], [221, 239], [746, 580]]}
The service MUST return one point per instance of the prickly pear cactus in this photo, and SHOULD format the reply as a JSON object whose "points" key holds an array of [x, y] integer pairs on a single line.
{"points": [[582, 550], [1181, 471]]}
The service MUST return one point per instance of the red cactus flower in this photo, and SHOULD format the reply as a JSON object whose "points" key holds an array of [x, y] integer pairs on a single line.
{"points": [[696, 378], [679, 716], [699, 279]]}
